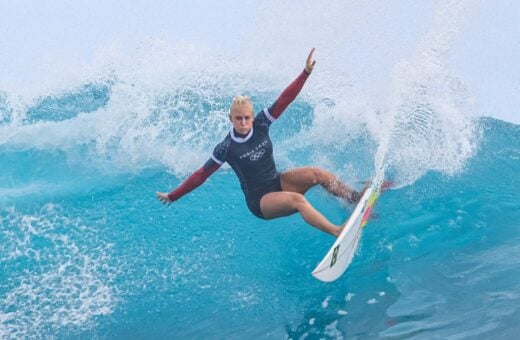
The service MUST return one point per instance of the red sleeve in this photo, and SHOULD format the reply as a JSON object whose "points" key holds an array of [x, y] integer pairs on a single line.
{"points": [[288, 95], [196, 179]]}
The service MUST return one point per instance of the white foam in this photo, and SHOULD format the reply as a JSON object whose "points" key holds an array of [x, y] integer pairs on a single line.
{"points": [[167, 105], [332, 331], [325, 303], [349, 296], [168, 101], [429, 122], [63, 283]]}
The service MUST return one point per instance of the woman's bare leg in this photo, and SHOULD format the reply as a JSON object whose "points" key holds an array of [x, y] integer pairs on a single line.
{"points": [[282, 203], [302, 179]]}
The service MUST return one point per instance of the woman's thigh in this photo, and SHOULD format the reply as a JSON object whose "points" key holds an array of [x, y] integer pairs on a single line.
{"points": [[279, 204], [302, 179]]}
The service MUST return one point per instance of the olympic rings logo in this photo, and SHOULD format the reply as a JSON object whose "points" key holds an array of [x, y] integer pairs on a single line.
{"points": [[257, 155]]}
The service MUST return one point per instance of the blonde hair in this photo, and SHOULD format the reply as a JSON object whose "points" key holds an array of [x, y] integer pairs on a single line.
{"points": [[240, 101]]}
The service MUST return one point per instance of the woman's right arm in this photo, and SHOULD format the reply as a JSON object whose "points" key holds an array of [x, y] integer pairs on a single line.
{"points": [[192, 182]]}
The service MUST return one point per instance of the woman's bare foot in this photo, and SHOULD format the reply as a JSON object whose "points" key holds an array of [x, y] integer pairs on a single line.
{"points": [[355, 196], [338, 231]]}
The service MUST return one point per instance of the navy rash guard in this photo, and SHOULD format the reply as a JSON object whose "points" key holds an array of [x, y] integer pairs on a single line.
{"points": [[250, 156]]}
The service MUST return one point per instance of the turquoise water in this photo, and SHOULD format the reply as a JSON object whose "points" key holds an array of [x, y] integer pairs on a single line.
{"points": [[87, 251]]}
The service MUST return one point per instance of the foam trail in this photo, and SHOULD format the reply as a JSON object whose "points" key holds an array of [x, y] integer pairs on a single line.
{"points": [[429, 109]]}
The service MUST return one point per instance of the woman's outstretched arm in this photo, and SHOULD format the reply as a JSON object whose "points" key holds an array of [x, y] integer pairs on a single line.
{"points": [[292, 91], [192, 182]]}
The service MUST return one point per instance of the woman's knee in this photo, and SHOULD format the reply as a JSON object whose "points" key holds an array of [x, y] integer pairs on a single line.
{"points": [[279, 204], [298, 200]]}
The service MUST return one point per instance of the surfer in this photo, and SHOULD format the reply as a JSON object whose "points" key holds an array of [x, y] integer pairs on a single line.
{"points": [[247, 148]]}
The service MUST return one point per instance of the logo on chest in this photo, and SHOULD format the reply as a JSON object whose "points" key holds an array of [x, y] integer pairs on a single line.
{"points": [[256, 153]]}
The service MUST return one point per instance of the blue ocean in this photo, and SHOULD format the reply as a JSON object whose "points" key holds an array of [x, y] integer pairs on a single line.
{"points": [[87, 251]]}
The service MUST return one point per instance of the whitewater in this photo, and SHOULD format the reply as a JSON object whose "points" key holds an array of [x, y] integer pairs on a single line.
{"points": [[87, 251]]}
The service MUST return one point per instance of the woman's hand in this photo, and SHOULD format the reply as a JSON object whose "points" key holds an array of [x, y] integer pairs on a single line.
{"points": [[163, 197], [309, 65]]}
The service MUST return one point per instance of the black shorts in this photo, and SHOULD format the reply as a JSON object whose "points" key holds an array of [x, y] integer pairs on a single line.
{"points": [[253, 199]]}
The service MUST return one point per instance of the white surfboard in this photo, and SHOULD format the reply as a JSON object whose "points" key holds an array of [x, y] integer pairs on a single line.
{"points": [[342, 251]]}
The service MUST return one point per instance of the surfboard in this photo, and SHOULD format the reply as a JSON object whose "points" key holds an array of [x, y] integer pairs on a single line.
{"points": [[340, 255]]}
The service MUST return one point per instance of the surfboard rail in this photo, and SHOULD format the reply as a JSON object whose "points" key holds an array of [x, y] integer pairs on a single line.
{"points": [[340, 255]]}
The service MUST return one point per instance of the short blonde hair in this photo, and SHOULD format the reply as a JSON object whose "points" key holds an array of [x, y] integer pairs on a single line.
{"points": [[240, 101]]}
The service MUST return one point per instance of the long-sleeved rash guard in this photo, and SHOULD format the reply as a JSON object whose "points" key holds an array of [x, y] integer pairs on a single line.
{"points": [[250, 156]]}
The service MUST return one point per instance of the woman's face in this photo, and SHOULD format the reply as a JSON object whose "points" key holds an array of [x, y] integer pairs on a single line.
{"points": [[242, 118]]}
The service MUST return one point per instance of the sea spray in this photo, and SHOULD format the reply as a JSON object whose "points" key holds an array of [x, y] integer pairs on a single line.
{"points": [[428, 124]]}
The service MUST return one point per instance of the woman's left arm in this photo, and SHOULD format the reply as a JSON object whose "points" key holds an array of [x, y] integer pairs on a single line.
{"points": [[290, 93]]}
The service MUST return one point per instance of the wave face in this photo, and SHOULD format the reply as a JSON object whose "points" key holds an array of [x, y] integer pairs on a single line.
{"points": [[87, 251]]}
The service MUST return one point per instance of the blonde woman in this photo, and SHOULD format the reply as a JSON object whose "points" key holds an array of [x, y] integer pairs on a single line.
{"points": [[248, 149]]}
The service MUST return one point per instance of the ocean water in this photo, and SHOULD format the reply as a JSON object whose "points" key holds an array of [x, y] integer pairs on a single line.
{"points": [[87, 251]]}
